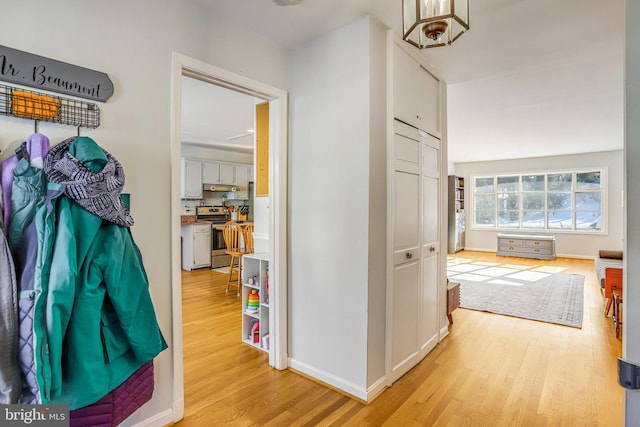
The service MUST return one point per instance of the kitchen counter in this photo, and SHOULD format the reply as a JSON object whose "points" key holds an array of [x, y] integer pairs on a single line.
{"points": [[191, 220]]}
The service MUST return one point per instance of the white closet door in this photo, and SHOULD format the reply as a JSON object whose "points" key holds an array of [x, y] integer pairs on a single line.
{"points": [[429, 333], [406, 247], [413, 320]]}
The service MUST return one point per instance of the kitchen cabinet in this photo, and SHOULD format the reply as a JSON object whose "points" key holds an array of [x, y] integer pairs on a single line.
{"points": [[255, 301], [210, 172], [227, 173], [218, 173], [196, 246], [191, 179], [415, 97], [244, 174]]}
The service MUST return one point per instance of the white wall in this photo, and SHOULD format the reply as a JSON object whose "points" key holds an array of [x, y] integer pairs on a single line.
{"points": [[132, 42], [329, 162], [377, 204], [567, 244]]}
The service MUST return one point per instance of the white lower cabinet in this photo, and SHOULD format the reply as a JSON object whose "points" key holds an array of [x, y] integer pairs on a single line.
{"points": [[196, 246], [255, 301]]}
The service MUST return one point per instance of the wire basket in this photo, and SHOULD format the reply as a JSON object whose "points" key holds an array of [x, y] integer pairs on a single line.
{"points": [[28, 104]]}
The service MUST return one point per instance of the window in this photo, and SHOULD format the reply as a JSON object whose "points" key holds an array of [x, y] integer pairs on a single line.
{"points": [[568, 200]]}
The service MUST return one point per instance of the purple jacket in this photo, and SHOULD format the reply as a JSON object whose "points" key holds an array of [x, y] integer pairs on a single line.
{"points": [[37, 147]]}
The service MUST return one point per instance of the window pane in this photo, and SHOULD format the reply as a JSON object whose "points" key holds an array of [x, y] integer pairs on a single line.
{"points": [[485, 219], [533, 183], [508, 201], [484, 185], [508, 219], [508, 183], [485, 202], [588, 221], [588, 201], [532, 201], [533, 219], [555, 201], [590, 180], [559, 181], [560, 219], [558, 201]]}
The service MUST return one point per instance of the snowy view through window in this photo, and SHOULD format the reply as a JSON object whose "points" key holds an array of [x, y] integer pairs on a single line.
{"points": [[542, 201]]}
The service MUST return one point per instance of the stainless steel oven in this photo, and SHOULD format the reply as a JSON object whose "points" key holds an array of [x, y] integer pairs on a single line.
{"points": [[217, 215]]}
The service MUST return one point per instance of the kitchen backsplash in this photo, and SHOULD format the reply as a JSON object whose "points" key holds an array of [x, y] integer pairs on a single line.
{"points": [[188, 207]]}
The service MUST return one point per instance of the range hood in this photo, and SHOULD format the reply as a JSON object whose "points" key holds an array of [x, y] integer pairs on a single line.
{"points": [[220, 188]]}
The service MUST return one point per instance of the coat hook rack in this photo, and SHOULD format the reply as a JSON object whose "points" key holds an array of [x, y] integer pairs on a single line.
{"points": [[28, 104]]}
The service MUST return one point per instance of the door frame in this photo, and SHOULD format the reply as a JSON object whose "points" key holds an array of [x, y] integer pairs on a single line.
{"points": [[278, 125]]}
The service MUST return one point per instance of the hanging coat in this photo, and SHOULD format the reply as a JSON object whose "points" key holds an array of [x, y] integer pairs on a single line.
{"points": [[31, 267], [100, 322], [37, 146], [27, 194], [10, 384]]}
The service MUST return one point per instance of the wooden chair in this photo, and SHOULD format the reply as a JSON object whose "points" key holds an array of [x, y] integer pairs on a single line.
{"points": [[247, 235], [616, 317], [232, 233], [612, 285]]}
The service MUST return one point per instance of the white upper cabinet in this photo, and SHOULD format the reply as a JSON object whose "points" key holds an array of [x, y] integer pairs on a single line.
{"points": [[218, 173], [211, 172], [227, 173], [243, 176], [191, 182], [416, 93]]}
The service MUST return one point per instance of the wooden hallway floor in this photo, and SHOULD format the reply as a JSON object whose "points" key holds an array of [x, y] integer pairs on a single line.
{"points": [[491, 370]]}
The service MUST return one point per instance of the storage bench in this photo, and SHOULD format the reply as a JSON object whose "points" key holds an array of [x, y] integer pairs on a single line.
{"points": [[607, 259], [538, 246]]}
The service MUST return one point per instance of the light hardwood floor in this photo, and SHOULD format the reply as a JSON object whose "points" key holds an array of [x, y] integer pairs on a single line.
{"points": [[491, 370]]}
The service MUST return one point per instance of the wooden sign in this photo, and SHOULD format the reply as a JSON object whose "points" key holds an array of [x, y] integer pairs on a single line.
{"points": [[35, 71]]}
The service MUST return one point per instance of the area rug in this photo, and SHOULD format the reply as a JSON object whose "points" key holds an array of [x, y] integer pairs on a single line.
{"points": [[535, 295], [223, 270]]}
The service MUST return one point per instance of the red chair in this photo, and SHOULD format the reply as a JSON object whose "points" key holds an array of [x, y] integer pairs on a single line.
{"points": [[612, 285]]}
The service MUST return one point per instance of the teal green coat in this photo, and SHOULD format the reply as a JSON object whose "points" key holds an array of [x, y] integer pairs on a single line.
{"points": [[100, 322]]}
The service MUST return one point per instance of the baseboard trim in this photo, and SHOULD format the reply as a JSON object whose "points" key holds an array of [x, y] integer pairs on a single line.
{"points": [[476, 250], [178, 410], [331, 381], [161, 419], [591, 257], [376, 389], [444, 332]]}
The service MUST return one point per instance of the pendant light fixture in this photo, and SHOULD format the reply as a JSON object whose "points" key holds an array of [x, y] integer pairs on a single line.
{"points": [[433, 23]]}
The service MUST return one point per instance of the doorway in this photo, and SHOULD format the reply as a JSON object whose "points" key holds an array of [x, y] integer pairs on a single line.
{"points": [[277, 206]]}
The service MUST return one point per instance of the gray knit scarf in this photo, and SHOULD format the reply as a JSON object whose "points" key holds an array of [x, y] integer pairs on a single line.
{"points": [[99, 193]]}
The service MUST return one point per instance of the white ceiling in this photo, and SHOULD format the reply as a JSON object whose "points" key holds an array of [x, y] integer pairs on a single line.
{"points": [[530, 78], [213, 116]]}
